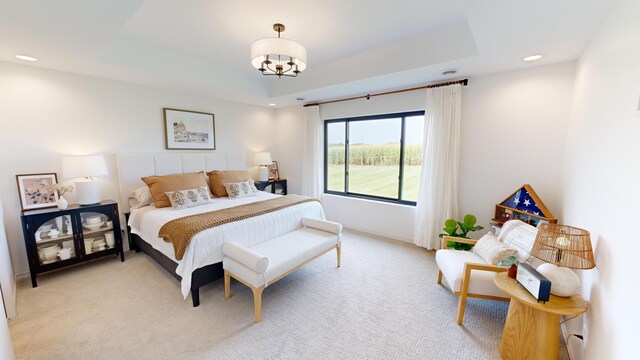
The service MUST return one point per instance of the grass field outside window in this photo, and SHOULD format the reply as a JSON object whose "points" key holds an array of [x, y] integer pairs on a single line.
{"points": [[371, 178], [376, 156]]}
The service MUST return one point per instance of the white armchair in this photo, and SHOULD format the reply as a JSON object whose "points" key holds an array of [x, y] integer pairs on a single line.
{"points": [[468, 275]]}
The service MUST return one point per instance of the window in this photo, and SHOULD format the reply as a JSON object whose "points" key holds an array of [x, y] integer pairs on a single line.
{"points": [[377, 157]]}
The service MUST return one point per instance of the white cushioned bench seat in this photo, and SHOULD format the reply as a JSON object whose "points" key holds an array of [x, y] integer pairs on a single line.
{"points": [[283, 253], [265, 263]]}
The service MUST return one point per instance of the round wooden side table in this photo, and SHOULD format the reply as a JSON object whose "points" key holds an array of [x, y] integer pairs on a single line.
{"points": [[532, 328]]}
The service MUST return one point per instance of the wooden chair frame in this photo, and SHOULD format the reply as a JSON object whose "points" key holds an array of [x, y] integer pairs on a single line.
{"points": [[466, 277]]}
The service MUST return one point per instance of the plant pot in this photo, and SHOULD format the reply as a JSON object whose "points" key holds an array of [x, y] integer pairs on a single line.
{"points": [[513, 271]]}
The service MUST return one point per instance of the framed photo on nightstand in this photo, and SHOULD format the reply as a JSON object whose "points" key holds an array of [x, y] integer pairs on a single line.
{"points": [[274, 174]]}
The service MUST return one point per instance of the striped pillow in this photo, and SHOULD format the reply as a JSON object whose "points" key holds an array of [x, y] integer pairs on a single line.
{"points": [[520, 236]]}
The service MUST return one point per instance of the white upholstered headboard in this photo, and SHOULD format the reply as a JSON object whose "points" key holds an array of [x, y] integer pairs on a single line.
{"points": [[133, 166]]}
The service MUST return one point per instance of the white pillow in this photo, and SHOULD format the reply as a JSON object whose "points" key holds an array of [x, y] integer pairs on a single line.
{"points": [[140, 197], [241, 189], [187, 198], [491, 250]]}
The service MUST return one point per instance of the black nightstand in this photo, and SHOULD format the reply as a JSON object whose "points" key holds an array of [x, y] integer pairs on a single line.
{"points": [[261, 185]]}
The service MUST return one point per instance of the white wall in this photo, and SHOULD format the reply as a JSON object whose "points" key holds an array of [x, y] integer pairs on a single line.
{"points": [[601, 193], [7, 277], [514, 126], [49, 114], [288, 152], [7, 293], [6, 348], [513, 120]]}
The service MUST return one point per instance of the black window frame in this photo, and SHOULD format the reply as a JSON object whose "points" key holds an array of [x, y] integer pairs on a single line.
{"points": [[346, 193]]}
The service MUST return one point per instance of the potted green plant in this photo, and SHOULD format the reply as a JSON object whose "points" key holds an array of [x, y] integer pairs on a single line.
{"points": [[460, 229], [512, 262]]}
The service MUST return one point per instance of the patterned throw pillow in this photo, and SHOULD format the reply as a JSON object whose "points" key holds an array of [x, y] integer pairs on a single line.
{"points": [[140, 197], [491, 250], [183, 199], [241, 189]]}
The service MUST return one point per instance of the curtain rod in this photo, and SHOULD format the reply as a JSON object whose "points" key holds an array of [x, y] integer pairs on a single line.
{"points": [[464, 82]]}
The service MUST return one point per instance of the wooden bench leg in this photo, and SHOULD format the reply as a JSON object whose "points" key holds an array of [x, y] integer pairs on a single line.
{"points": [[338, 248], [257, 303], [439, 277], [227, 285]]}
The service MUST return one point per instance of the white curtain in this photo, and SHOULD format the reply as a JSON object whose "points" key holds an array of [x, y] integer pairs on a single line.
{"points": [[312, 182], [438, 193]]}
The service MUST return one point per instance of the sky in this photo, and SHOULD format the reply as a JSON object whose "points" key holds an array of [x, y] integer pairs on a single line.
{"points": [[380, 131]]}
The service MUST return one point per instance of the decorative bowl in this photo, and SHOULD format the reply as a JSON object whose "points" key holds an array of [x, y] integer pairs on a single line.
{"points": [[45, 228], [93, 220], [51, 252], [95, 226]]}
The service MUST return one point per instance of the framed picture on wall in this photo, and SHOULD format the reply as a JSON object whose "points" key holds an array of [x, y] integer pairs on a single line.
{"points": [[35, 190], [274, 174], [189, 130]]}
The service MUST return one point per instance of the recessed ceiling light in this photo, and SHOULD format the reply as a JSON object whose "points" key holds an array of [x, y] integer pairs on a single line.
{"points": [[27, 58], [272, 104], [532, 58]]}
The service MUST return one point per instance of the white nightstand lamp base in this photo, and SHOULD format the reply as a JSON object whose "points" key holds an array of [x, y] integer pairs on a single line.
{"points": [[564, 282], [263, 173]]}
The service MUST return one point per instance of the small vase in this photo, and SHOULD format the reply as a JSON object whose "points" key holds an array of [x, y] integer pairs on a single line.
{"points": [[513, 271], [62, 203], [59, 224]]}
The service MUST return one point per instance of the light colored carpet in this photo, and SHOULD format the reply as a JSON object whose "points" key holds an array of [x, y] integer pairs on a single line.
{"points": [[383, 303]]}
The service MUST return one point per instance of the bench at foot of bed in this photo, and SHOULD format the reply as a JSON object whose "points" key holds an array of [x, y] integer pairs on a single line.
{"points": [[270, 261]]}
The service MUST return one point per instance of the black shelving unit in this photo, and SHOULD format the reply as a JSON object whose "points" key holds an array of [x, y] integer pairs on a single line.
{"points": [[38, 229]]}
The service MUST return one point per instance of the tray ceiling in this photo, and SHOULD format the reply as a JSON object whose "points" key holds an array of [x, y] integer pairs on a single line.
{"points": [[354, 47]]}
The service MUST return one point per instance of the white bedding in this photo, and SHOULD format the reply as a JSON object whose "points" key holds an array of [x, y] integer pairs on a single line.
{"points": [[206, 247]]}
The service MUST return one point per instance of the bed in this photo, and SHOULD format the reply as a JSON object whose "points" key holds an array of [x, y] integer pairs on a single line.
{"points": [[201, 263]]}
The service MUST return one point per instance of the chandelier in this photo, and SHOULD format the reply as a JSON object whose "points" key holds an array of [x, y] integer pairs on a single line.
{"points": [[278, 56]]}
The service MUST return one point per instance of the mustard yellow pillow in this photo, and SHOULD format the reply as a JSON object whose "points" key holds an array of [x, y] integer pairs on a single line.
{"points": [[159, 185], [218, 178]]}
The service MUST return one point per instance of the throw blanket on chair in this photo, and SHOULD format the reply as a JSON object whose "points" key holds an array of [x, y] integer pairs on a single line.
{"points": [[180, 231]]}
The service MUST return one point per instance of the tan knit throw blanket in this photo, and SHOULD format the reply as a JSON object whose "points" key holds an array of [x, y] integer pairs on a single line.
{"points": [[180, 231]]}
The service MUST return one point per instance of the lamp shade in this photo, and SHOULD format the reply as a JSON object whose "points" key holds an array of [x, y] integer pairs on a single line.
{"points": [[83, 166], [263, 158], [564, 245], [275, 47]]}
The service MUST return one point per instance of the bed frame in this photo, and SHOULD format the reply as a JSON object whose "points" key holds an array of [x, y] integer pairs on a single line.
{"points": [[133, 166], [200, 277]]}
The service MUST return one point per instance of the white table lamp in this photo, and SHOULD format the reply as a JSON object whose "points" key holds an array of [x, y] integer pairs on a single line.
{"points": [[84, 168], [263, 159]]}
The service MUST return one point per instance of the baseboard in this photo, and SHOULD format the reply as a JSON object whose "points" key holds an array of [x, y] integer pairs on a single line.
{"points": [[376, 233], [570, 349], [23, 276]]}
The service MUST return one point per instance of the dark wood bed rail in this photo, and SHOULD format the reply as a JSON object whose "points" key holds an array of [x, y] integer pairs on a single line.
{"points": [[200, 277]]}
